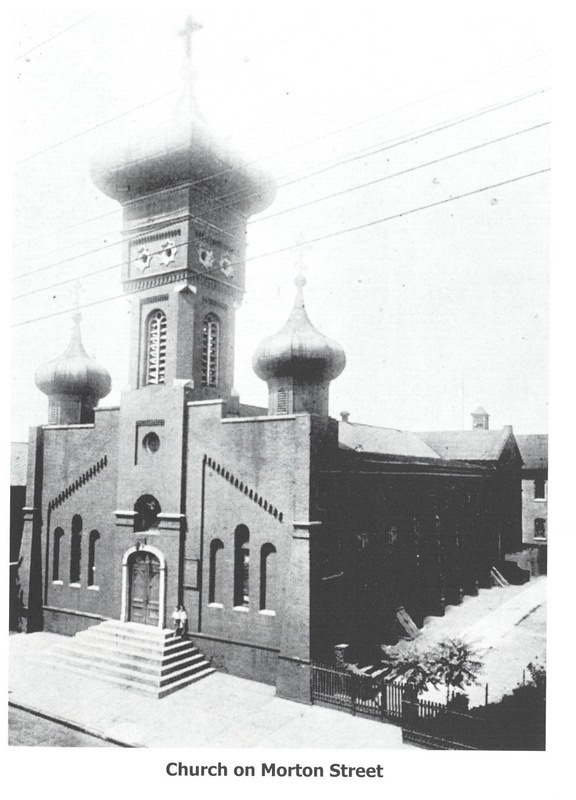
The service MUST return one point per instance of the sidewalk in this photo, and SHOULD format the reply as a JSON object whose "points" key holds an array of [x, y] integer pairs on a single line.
{"points": [[219, 711]]}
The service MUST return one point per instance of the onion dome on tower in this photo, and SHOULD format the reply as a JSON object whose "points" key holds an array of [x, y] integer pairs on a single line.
{"points": [[74, 382], [298, 363]]}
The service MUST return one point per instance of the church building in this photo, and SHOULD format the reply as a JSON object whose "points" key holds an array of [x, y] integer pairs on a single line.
{"points": [[281, 531]]}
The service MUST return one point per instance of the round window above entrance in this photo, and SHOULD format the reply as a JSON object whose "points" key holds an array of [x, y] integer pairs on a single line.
{"points": [[151, 442]]}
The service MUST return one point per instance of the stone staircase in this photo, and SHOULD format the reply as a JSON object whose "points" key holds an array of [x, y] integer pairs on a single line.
{"points": [[152, 661]]}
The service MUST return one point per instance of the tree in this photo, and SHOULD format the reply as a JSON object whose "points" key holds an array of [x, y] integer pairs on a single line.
{"points": [[455, 664], [452, 663]]}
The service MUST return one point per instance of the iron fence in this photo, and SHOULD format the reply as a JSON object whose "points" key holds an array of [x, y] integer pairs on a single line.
{"points": [[436, 726], [357, 693]]}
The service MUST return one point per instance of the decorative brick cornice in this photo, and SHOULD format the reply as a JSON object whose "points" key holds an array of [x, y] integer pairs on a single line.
{"points": [[150, 281], [78, 483], [156, 237], [244, 488]]}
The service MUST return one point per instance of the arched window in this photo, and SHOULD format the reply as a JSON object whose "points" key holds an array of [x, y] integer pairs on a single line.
{"points": [[56, 551], [92, 541], [76, 549], [147, 509], [282, 401], [241, 566], [156, 348], [267, 577], [210, 350], [215, 578]]}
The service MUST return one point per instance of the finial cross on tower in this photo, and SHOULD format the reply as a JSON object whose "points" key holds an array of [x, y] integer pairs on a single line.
{"points": [[189, 29]]}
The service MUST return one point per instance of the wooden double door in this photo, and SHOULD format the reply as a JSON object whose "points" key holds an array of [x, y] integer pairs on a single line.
{"points": [[144, 595]]}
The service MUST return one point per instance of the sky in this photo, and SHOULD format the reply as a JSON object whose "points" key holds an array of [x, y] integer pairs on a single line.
{"points": [[439, 309]]}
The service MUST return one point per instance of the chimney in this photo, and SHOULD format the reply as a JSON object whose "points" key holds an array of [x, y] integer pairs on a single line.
{"points": [[345, 416]]}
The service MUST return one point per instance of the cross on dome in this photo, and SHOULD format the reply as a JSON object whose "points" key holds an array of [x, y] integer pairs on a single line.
{"points": [[188, 66], [187, 32]]}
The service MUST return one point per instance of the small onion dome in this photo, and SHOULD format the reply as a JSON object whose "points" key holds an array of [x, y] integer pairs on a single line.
{"points": [[74, 372], [181, 151], [299, 350]]}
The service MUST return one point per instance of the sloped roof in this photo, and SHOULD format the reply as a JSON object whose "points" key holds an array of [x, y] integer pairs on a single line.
{"points": [[473, 445], [384, 441], [534, 450], [18, 463]]}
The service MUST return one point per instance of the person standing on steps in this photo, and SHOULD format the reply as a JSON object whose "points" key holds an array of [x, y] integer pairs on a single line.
{"points": [[183, 621], [177, 620]]}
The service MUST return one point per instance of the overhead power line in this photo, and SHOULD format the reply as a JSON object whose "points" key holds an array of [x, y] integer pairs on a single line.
{"points": [[363, 154], [51, 38], [300, 144], [317, 239], [293, 208]]}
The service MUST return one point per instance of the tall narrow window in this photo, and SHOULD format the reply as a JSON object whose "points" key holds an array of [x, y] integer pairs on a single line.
{"points": [[92, 543], [267, 577], [241, 566], [539, 489], [282, 401], [215, 578], [76, 549], [210, 350], [56, 553], [156, 348], [539, 528]]}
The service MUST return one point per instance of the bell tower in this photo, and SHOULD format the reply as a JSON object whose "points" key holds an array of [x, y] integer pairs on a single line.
{"points": [[186, 200]]}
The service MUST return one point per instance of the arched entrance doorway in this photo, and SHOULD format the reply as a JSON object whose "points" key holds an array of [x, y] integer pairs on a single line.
{"points": [[144, 586]]}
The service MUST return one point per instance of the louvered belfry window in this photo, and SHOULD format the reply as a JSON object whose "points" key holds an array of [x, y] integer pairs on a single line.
{"points": [[282, 401], [156, 350], [210, 350]]}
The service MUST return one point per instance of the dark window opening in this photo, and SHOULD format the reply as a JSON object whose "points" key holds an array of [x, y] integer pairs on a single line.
{"points": [[56, 553], [267, 577], [147, 509], [76, 549], [539, 528], [215, 577], [539, 489], [92, 542], [241, 566]]}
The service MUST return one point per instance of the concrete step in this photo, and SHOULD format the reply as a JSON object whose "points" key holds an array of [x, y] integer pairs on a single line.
{"points": [[132, 631], [129, 673], [156, 665], [154, 661], [139, 648], [180, 684]]}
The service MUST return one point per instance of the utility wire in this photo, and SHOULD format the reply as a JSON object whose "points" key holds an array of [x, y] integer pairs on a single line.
{"points": [[297, 144], [36, 46], [288, 210], [318, 238], [301, 144], [143, 105], [397, 174], [381, 148]]}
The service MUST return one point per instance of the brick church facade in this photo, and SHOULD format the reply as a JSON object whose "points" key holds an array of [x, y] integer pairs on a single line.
{"points": [[281, 531]]}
